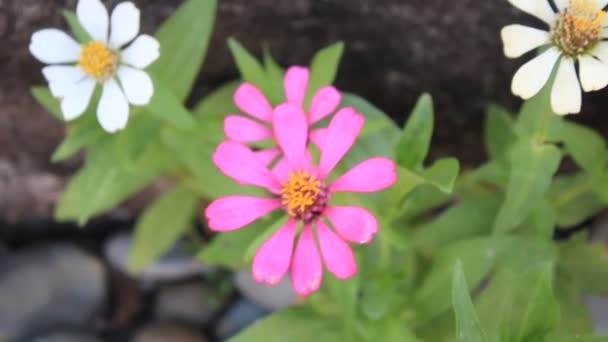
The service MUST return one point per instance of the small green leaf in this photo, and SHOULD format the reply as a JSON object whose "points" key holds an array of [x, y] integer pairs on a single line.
{"points": [[160, 226], [586, 146], [442, 174], [251, 70], [586, 264], [45, 98], [261, 238], [499, 133], [536, 118], [166, 106], [275, 78], [532, 168], [80, 136], [183, 39], [574, 200], [323, 69], [79, 32], [415, 140], [217, 104], [468, 328]]}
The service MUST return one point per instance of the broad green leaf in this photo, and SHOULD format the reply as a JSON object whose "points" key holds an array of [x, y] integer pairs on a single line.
{"points": [[251, 70], [468, 328], [183, 39], [79, 137], [466, 219], [532, 167], [275, 78], [442, 174], [415, 140], [161, 224], [499, 133], [294, 325], [542, 220], [144, 130], [586, 264], [79, 32], [573, 199], [323, 69], [217, 104], [536, 118], [167, 107], [272, 228], [586, 146], [575, 316], [45, 98]]}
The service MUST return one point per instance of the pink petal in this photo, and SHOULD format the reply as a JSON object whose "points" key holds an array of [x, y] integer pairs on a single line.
{"points": [[354, 224], [250, 100], [266, 156], [318, 136], [324, 102], [234, 212], [237, 161], [295, 82], [291, 131], [273, 258], [337, 254], [306, 267], [370, 175], [341, 135], [242, 129], [281, 170]]}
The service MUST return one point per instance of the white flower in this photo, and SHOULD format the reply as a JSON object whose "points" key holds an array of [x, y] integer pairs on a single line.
{"points": [[76, 69], [576, 33]]}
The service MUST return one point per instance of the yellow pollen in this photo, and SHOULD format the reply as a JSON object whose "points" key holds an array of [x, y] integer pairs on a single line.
{"points": [[300, 192], [578, 27], [97, 61]]}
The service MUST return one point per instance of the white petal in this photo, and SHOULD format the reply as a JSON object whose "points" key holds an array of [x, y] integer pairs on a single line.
{"points": [[593, 73], [538, 8], [142, 52], [137, 85], [54, 46], [113, 109], [602, 3], [76, 98], [601, 51], [519, 39], [124, 24], [93, 17], [561, 4], [532, 76], [62, 77], [566, 93]]}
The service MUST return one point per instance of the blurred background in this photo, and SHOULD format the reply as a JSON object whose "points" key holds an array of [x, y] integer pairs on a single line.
{"points": [[59, 282]]}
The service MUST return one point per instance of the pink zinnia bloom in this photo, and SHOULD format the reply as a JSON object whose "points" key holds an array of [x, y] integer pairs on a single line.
{"points": [[303, 191], [257, 126]]}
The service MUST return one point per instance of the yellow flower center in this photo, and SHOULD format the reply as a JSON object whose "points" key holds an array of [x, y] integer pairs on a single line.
{"points": [[303, 195], [97, 60], [578, 27]]}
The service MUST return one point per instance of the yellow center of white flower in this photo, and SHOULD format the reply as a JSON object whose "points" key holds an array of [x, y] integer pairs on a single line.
{"points": [[303, 195], [578, 27], [97, 61]]}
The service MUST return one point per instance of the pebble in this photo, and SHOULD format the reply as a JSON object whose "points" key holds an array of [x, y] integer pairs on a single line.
{"points": [[239, 315], [168, 332], [269, 297], [186, 302]]}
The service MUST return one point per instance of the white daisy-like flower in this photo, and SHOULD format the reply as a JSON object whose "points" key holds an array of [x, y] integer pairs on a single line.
{"points": [[576, 36], [76, 69]]}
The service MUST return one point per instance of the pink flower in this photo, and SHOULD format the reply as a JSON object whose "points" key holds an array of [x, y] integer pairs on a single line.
{"points": [[303, 190], [257, 126]]}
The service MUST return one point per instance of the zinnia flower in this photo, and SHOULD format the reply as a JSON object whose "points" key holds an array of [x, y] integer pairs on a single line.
{"points": [[76, 69], [303, 191], [257, 126], [576, 33]]}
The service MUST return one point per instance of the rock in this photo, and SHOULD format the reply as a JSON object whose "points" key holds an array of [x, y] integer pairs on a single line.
{"points": [[67, 337], [239, 315], [268, 297], [176, 264], [46, 286], [168, 331], [185, 302], [598, 307]]}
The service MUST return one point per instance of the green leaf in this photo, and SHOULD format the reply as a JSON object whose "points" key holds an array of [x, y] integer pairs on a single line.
{"points": [[586, 264], [532, 167], [274, 73], [294, 325], [442, 174], [536, 118], [586, 146], [574, 200], [468, 328], [160, 225], [499, 133], [79, 32], [183, 39], [575, 316], [166, 106], [79, 137], [261, 238], [323, 69], [415, 140], [251, 70], [45, 98]]}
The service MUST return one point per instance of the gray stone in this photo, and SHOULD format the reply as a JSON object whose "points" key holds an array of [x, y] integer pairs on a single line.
{"points": [[188, 302], [269, 297], [67, 337], [239, 315], [47, 286], [598, 307], [168, 331], [174, 265]]}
